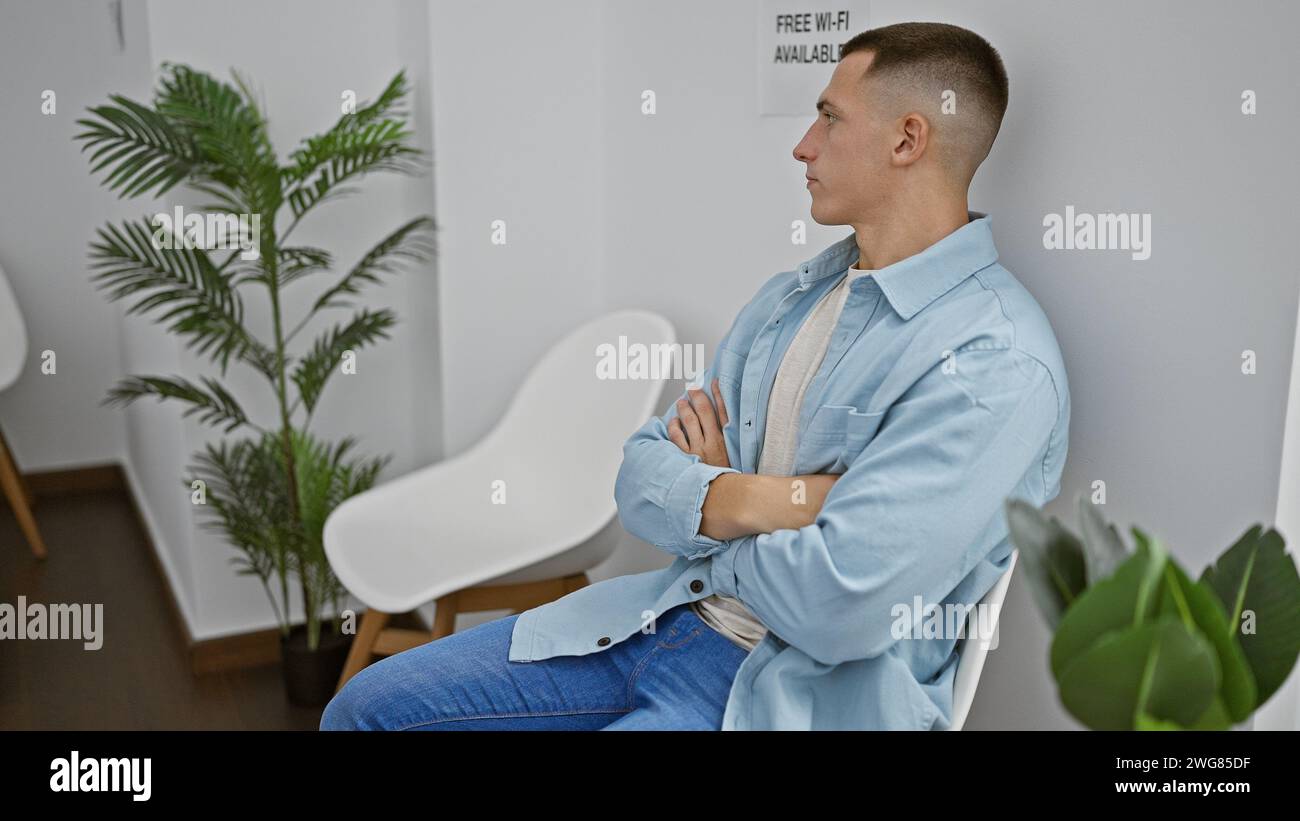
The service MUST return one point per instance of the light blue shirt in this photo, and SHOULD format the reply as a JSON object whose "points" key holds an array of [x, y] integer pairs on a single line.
{"points": [[942, 394]]}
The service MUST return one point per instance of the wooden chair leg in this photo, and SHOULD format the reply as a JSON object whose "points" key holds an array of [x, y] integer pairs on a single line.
{"points": [[372, 624], [444, 617], [376, 638], [20, 499]]}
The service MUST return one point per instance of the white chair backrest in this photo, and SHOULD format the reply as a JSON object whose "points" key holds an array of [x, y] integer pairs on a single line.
{"points": [[974, 650], [13, 335], [565, 426]]}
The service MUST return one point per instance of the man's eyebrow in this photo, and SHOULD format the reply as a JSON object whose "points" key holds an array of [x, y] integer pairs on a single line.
{"points": [[825, 103]]}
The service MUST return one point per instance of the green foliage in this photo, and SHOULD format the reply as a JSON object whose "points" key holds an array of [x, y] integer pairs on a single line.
{"points": [[1138, 644], [1256, 576], [248, 501], [270, 492]]}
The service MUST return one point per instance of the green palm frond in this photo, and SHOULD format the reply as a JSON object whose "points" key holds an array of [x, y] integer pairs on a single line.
{"points": [[228, 130], [135, 259], [326, 479], [338, 157], [294, 262], [214, 405], [246, 500], [144, 149], [412, 242], [315, 368], [298, 262], [370, 139]]}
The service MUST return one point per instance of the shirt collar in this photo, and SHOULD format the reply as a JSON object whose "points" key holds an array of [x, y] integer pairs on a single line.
{"points": [[912, 283]]}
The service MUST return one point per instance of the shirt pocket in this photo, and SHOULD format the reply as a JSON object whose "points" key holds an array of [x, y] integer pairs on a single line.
{"points": [[835, 436]]}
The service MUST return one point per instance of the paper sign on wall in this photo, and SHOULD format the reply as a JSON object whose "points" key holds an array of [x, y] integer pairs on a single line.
{"points": [[798, 48]]}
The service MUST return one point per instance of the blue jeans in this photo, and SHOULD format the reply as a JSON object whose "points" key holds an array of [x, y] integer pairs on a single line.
{"points": [[677, 678]]}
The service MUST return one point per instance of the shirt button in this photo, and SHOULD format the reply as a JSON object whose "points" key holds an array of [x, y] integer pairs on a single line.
{"points": [[697, 586], [602, 641]]}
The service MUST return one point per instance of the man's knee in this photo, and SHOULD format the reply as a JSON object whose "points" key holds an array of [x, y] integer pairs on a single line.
{"points": [[353, 706]]}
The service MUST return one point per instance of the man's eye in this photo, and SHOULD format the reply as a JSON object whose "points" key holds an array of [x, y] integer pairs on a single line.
{"points": [[829, 116]]}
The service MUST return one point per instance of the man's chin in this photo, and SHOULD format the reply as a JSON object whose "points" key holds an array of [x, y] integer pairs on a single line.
{"points": [[822, 216]]}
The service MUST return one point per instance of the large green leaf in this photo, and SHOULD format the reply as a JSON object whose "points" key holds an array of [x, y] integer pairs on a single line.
{"points": [[1257, 576], [1103, 549], [1127, 598], [1156, 674], [1051, 555], [1214, 718], [1200, 610]]}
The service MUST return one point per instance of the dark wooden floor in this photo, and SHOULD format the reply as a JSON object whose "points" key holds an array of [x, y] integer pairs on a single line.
{"points": [[140, 678]]}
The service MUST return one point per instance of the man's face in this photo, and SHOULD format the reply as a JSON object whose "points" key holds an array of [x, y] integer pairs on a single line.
{"points": [[846, 150]]}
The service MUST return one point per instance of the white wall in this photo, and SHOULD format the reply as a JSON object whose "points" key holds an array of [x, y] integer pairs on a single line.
{"points": [[519, 130], [49, 211], [1115, 106]]}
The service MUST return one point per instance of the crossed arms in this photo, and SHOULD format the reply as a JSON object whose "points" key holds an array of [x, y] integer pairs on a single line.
{"points": [[742, 504], [912, 515]]}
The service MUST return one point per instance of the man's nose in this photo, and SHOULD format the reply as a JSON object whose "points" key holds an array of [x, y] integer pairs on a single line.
{"points": [[803, 151]]}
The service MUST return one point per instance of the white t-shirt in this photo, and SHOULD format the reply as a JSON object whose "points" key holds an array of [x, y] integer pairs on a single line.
{"points": [[802, 359]]}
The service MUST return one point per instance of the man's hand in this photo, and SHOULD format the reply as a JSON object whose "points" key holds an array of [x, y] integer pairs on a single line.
{"points": [[697, 429], [744, 503]]}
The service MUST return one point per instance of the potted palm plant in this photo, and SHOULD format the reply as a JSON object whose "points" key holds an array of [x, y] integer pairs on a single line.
{"points": [[270, 490], [1138, 645]]}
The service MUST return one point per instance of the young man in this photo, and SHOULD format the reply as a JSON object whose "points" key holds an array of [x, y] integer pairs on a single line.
{"points": [[868, 414]]}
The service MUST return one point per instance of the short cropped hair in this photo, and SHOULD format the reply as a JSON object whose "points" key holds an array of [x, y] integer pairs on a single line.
{"points": [[920, 61]]}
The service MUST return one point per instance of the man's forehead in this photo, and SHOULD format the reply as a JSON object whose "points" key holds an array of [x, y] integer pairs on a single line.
{"points": [[847, 82]]}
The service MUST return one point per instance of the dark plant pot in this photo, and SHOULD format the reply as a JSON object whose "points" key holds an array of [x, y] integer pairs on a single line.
{"points": [[310, 677]]}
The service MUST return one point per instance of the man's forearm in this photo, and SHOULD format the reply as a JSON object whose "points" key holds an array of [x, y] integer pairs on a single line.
{"points": [[741, 504]]}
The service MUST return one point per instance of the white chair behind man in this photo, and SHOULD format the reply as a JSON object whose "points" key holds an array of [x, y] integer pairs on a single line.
{"points": [[517, 519]]}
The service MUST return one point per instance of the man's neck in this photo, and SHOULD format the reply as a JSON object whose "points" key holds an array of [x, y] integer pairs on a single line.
{"points": [[882, 243]]}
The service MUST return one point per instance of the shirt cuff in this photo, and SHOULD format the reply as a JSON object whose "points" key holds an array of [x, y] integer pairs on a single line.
{"points": [[686, 507], [722, 571]]}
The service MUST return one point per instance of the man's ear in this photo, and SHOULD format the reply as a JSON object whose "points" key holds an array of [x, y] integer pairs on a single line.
{"points": [[911, 136]]}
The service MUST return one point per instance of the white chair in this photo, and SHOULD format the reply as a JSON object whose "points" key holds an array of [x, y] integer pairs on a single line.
{"points": [[13, 351], [439, 533], [973, 651]]}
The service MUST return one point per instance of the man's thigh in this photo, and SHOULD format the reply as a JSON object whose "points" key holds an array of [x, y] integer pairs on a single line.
{"points": [[466, 681], [687, 680]]}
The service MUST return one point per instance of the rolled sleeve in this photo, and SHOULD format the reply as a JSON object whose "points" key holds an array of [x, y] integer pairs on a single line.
{"points": [[912, 516], [685, 508], [660, 488]]}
